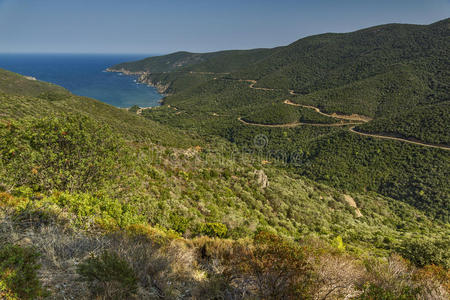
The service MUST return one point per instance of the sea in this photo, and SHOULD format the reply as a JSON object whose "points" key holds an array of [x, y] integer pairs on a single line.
{"points": [[85, 75]]}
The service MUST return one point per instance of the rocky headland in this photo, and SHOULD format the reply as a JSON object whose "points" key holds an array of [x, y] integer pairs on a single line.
{"points": [[144, 78]]}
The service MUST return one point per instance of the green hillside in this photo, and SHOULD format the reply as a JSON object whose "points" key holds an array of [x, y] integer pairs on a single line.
{"points": [[217, 62], [394, 91], [37, 99], [395, 75], [429, 123], [265, 174], [183, 70], [376, 72], [86, 188], [364, 163], [322, 61], [331, 60]]}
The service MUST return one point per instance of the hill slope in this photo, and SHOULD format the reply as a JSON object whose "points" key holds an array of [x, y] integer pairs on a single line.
{"points": [[377, 71], [86, 187], [21, 97], [217, 62], [396, 75]]}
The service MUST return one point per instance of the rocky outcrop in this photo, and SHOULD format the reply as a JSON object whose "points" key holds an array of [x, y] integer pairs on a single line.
{"points": [[261, 179], [144, 78], [352, 203], [124, 71]]}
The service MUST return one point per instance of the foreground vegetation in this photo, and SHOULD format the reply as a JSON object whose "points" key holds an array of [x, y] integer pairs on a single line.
{"points": [[146, 263], [105, 208]]}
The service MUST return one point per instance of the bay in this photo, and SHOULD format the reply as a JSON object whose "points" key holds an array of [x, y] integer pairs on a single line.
{"points": [[84, 75]]}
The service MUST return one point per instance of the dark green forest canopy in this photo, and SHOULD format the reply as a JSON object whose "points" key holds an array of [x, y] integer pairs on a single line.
{"points": [[377, 72]]}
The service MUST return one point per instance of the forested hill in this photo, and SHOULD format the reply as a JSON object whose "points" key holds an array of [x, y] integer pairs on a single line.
{"points": [[98, 202], [223, 61], [320, 61], [331, 60], [379, 72], [92, 195], [395, 75]]}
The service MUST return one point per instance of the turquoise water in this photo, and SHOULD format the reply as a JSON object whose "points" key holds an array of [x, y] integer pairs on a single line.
{"points": [[83, 75]]}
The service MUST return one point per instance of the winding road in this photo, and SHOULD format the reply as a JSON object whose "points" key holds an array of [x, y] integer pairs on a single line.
{"points": [[295, 124], [353, 117], [352, 129], [357, 120]]}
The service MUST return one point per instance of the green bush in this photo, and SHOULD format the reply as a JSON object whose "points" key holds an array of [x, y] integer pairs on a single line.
{"points": [[134, 109], [426, 252], [102, 210], [109, 276], [178, 223], [18, 273], [53, 96], [65, 153], [213, 229]]}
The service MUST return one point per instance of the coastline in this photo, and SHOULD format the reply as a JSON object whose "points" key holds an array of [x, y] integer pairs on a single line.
{"points": [[144, 78]]}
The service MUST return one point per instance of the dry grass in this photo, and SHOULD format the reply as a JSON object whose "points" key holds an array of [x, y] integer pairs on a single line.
{"points": [[176, 268]]}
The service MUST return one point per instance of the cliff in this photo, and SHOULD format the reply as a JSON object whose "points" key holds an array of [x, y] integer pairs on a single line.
{"points": [[145, 78]]}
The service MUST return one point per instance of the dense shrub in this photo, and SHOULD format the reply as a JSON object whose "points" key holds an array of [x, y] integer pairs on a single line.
{"points": [[53, 95], [18, 273], [390, 280], [274, 113], [109, 276], [71, 153], [426, 252], [213, 229], [178, 223], [86, 210], [427, 123]]}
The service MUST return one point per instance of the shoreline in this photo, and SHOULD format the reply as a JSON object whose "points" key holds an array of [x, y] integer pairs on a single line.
{"points": [[143, 77]]}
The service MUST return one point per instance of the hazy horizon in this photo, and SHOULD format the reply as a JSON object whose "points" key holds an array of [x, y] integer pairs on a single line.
{"points": [[153, 27]]}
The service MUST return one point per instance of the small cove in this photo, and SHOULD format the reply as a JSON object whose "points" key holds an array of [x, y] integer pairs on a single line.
{"points": [[84, 75]]}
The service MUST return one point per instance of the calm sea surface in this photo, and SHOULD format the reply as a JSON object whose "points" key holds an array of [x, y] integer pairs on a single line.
{"points": [[83, 74]]}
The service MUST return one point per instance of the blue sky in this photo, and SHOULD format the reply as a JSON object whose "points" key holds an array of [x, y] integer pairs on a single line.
{"points": [[163, 26]]}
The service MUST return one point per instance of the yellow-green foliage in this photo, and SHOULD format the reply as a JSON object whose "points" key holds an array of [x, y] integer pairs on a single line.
{"points": [[104, 211], [338, 243], [71, 152], [82, 210], [213, 230]]}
